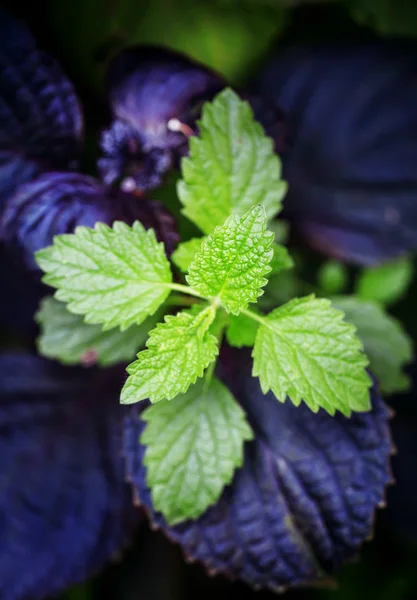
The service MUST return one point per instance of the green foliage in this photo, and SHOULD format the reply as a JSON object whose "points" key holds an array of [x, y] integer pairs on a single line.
{"points": [[206, 31], [386, 344], [193, 446], [333, 277], [241, 331], [231, 167], [178, 351], [233, 261], [306, 351], [185, 252], [387, 283], [65, 337], [281, 260], [115, 276]]}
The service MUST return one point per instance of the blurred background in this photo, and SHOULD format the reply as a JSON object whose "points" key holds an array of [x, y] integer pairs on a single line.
{"points": [[235, 37]]}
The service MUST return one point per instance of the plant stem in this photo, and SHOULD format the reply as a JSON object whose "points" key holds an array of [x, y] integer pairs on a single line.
{"points": [[184, 289], [180, 300], [254, 316]]}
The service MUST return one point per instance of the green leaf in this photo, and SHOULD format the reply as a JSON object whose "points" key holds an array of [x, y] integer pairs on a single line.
{"points": [[231, 167], [305, 350], [185, 253], [281, 230], [178, 351], [234, 260], [193, 446], [333, 277], [387, 283], [281, 260], [386, 344], [65, 337], [242, 331], [114, 276]]}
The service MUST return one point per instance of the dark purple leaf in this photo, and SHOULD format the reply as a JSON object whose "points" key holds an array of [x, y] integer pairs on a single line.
{"points": [[40, 114], [350, 165], [304, 500], [15, 169], [19, 299], [64, 507], [148, 88], [402, 507], [57, 203]]}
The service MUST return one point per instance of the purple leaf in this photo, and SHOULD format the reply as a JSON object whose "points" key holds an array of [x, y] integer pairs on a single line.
{"points": [[304, 500], [15, 169], [57, 203], [64, 507], [350, 165], [40, 114], [155, 95]]}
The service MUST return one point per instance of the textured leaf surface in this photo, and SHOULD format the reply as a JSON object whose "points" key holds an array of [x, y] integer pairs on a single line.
{"points": [[67, 338], [40, 114], [352, 194], [185, 253], [234, 260], [232, 166], [193, 446], [387, 283], [306, 350], [241, 331], [114, 276], [179, 350], [56, 203], [386, 344], [303, 502], [65, 509]]}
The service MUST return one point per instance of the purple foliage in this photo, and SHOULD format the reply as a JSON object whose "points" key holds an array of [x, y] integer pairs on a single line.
{"points": [[65, 509], [56, 203], [350, 164], [40, 113], [152, 91], [303, 502]]}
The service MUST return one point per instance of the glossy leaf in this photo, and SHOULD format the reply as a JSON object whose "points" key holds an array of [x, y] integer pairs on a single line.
{"points": [[234, 260], [307, 351], [193, 446], [178, 352], [302, 504], [232, 166], [116, 276], [56, 203], [155, 96]]}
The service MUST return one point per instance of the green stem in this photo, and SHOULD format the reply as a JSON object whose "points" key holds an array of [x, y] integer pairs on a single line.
{"points": [[208, 376], [185, 289], [254, 316], [180, 300]]}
